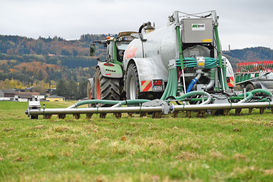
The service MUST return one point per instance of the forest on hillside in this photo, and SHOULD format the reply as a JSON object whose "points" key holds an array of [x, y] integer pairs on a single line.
{"points": [[27, 62], [49, 62], [56, 46]]}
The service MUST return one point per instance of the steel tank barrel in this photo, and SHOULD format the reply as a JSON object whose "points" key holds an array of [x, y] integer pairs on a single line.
{"points": [[159, 45]]}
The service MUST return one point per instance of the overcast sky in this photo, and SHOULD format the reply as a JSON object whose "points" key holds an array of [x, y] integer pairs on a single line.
{"points": [[243, 23]]}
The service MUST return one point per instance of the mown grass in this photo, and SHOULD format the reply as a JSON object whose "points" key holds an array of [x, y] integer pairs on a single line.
{"points": [[231, 148]]}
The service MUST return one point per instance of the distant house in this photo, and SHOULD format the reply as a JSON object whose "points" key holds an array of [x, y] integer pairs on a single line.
{"points": [[20, 95], [54, 98], [26, 96], [7, 94], [51, 55]]}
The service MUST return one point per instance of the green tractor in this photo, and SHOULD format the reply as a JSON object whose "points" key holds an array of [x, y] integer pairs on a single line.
{"points": [[107, 83]]}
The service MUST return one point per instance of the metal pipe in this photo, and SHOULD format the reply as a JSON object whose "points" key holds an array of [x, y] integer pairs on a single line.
{"points": [[93, 110], [194, 93], [247, 96], [219, 54], [179, 47], [223, 106], [212, 79], [140, 109], [209, 85]]}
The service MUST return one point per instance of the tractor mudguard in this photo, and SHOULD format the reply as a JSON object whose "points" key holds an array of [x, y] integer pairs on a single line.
{"points": [[110, 70], [148, 69]]}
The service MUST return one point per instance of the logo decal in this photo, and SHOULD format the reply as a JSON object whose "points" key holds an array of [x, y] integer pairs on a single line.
{"points": [[130, 52]]}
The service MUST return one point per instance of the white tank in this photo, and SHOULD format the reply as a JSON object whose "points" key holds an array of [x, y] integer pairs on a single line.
{"points": [[158, 45]]}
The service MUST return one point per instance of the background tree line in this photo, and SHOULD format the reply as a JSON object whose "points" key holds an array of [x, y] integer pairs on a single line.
{"points": [[71, 89], [17, 45], [43, 62]]}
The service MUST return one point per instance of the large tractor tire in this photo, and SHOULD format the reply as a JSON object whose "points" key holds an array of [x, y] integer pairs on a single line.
{"points": [[249, 87], [106, 88], [132, 83]]}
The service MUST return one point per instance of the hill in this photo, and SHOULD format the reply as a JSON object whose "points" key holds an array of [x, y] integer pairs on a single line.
{"points": [[249, 54], [16, 45], [45, 61]]}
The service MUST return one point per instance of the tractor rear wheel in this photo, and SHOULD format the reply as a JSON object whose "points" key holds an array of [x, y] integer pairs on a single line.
{"points": [[132, 83], [106, 88]]}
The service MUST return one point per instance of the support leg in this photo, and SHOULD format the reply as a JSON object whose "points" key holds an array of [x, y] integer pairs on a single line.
{"points": [[262, 110], [188, 114], [226, 112], [157, 115], [117, 115], [238, 112], [103, 115], [47, 116], [175, 114], [76, 116], [250, 110], [61, 116], [89, 115], [201, 114]]}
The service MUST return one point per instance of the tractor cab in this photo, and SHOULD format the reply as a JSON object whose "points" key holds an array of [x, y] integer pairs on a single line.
{"points": [[109, 73], [117, 46]]}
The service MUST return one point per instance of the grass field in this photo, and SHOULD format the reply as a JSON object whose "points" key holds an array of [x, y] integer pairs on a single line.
{"points": [[230, 148]]}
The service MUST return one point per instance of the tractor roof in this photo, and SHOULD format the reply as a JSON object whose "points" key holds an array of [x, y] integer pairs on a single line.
{"points": [[123, 34]]}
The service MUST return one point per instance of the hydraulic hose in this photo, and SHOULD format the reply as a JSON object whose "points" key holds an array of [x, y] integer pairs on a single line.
{"points": [[191, 62], [222, 68], [193, 82], [171, 87], [249, 96], [194, 93], [261, 91], [253, 92], [110, 102]]}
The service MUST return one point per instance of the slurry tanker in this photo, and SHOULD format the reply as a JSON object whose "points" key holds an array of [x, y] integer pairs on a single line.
{"points": [[178, 67]]}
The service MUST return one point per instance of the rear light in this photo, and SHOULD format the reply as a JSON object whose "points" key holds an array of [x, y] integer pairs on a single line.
{"points": [[108, 64], [230, 82], [157, 82], [228, 79]]}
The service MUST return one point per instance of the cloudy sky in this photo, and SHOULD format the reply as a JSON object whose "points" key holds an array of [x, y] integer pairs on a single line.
{"points": [[243, 23]]}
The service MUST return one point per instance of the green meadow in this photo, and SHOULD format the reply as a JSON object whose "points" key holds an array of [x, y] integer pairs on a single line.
{"points": [[214, 148]]}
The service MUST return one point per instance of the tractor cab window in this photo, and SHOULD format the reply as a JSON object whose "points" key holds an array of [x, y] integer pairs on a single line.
{"points": [[109, 51], [121, 47]]}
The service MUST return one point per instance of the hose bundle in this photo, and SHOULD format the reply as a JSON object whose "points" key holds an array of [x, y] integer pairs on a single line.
{"points": [[171, 87], [191, 62]]}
